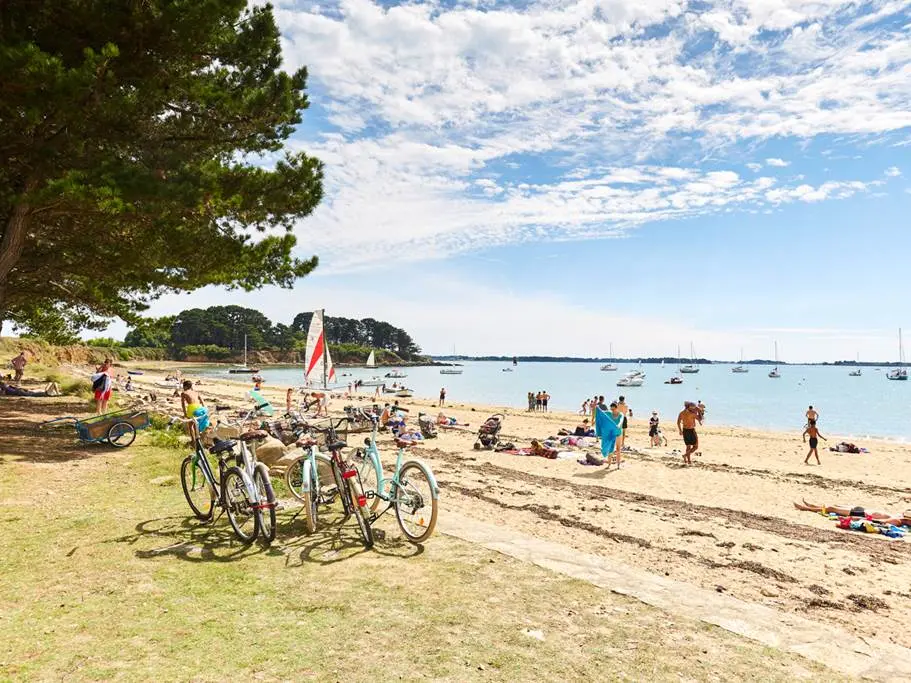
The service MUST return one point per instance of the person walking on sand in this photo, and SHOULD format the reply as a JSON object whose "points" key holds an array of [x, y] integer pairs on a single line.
{"points": [[102, 385], [584, 409], [815, 436], [442, 396], [18, 364], [812, 415], [686, 425]]}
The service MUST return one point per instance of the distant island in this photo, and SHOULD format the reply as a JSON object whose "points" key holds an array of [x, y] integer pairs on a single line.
{"points": [[665, 359]]}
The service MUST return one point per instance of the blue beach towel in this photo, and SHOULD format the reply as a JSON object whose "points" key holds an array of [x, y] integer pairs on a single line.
{"points": [[608, 430]]}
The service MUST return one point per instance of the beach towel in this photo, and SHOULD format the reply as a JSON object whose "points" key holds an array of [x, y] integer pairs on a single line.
{"points": [[608, 430]]}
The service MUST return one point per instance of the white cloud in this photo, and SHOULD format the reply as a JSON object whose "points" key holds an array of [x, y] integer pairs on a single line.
{"points": [[893, 172], [457, 128]]}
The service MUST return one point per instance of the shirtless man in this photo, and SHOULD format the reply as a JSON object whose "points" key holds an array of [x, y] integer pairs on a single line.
{"points": [[686, 425], [815, 436], [812, 415], [627, 413], [190, 398], [18, 364]]}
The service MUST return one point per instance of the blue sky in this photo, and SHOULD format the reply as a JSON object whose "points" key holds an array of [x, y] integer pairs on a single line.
{"points": [[550, 177]]}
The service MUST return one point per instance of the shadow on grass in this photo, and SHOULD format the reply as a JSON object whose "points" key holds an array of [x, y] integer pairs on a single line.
{"points": [[189, 539], [337, 539], [23, 441]]}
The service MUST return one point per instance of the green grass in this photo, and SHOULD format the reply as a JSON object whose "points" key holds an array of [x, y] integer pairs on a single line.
{"points": [[106, 577]]}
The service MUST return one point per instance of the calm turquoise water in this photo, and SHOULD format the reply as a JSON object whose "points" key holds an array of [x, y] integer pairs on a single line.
{"points": [[849, 406]]}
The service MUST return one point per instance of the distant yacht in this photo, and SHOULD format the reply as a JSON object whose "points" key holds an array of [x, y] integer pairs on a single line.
{"points": [[855, 373], [774, 374], [899, 373], [690, 368], [739, 368], [610, 367]]}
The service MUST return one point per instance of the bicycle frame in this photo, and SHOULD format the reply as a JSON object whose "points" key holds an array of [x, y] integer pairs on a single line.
{"points": [[384, 485]]}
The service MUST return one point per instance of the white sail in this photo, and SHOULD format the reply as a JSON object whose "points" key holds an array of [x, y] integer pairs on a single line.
{"points": [[317, 362], [371, 360]]}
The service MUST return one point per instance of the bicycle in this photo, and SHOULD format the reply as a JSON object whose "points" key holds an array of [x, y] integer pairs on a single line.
{"points": [[303, 481], [410, 490], [257, 472], [234, 491]]}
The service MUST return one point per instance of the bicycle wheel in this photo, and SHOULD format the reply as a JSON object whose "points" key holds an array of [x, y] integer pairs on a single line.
{"points": [[356, 494], [266, 496], [370, 476], [242, 515], [416, 506], [121, 434], [295, 476], [196, 489]]}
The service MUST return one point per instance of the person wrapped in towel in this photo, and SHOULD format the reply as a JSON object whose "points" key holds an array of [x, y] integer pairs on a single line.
{"points": [[607, 426]]}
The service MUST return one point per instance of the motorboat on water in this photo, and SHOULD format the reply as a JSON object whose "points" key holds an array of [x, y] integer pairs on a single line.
{"points": [[373, 382], [395, 374], [506, 370], [451, 371], [636, 378], [674, 380], [855, 373]]}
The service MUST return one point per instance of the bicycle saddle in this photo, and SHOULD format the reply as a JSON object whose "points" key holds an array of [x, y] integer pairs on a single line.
{"points": [[222, 446], [337, 445], [254, 435]]}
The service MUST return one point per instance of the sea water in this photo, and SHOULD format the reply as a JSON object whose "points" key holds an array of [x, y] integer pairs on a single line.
{"points": [[866, 406]]}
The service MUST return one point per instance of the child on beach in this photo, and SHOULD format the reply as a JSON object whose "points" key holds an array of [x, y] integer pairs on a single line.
{"points": [[814, 435], [653, 429]]}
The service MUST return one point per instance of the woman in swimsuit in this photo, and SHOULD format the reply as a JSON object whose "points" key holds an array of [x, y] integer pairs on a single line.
{"points": [[814, 435], [858, 512]]}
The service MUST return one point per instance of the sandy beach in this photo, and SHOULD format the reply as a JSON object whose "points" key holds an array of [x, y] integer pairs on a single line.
{"points": [[726, 523]]}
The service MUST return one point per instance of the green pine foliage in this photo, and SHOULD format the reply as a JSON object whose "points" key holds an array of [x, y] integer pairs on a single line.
{"points": [[143, 153]]}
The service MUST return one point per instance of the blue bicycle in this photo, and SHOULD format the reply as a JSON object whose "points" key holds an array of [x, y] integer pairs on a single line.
{"points": [[412, 490]]}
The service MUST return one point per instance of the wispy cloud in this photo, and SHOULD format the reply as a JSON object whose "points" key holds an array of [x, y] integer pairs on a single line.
{"points": [[452, 128], [893, 172]]}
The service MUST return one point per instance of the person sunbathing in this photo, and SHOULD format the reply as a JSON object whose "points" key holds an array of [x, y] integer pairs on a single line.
{"points": [[858, 512], [51, 389]]}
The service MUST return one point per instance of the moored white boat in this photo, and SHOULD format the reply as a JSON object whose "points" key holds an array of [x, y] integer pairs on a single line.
{"points": [[899, 373], [636, 378], [451, 371], [775, 374]]}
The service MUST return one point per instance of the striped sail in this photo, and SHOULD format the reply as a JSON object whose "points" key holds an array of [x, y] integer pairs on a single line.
{"points": [[317, 362]]}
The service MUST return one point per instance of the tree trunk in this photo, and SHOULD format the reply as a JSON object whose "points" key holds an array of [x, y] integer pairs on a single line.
{"points": [[11, 247]]}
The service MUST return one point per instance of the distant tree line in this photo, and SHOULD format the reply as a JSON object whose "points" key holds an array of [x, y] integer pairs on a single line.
{"points": [[224, 328]]}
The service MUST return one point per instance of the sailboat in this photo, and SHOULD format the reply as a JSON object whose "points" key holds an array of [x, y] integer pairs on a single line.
{"points": [[855, 373], [610, 367], [739, 368], [452, 370], [375, 381], [691, 368], [243, 369], [774, 374], [899, 373], [676, 379], [318, 369]]}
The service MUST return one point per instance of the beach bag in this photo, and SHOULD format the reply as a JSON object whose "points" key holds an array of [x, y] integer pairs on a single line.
{"points": [[98, 381]]}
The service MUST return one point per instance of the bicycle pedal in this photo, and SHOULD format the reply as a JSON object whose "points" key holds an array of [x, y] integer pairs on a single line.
{"points": [[379, 534], [370, 494]]}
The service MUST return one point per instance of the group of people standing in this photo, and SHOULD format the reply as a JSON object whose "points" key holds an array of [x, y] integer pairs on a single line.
{"points": [[537, 402]]}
